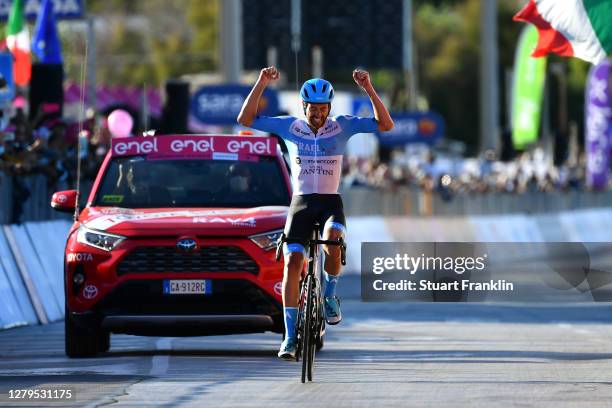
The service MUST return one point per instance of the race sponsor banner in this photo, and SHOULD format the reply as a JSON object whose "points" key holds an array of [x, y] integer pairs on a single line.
{"points": [[63, 9], [203, 147], [362, 106], [527, 90], [413, 127], [598, 112], [221, 104]]}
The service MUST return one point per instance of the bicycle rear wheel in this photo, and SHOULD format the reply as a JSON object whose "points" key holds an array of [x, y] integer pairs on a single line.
{"points": [[307, 339]]}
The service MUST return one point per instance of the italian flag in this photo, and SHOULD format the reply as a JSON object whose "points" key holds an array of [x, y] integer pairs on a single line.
{"points": [[573, 28], [18, 42]]}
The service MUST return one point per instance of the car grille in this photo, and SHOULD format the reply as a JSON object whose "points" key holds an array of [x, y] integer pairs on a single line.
{"points": [[168, 259]]}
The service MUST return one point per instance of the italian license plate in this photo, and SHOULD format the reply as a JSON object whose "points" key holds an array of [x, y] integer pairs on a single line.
{"points": [[187, 287]]}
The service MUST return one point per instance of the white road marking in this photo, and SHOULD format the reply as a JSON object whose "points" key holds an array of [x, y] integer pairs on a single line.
{"points": [[365, 359], [577, 330], [159, 364]]}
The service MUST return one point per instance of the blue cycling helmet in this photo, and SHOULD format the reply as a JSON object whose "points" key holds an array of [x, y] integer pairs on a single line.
{"points": [[317, 90]]}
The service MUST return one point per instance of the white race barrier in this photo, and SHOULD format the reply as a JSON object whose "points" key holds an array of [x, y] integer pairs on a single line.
{"points": [[31, 255], [591, 225], [374, 228], [35, 248], [49, 240], [15, 306]]}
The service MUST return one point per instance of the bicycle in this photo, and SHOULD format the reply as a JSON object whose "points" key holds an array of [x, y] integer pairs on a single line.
{"points": [[310, 325]]}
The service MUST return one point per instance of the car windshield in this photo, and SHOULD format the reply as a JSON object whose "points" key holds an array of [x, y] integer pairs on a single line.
{"points": [[136, 182]]}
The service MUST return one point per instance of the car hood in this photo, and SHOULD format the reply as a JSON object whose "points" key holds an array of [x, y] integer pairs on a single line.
{"points": [[183, 221]]}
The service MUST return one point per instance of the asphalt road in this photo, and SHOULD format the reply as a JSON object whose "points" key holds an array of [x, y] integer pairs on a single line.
{"points": [[383, 354]]}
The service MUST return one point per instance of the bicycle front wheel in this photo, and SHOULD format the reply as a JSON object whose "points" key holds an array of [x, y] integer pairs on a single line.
{"points": [[307, 340], [314, 328]]}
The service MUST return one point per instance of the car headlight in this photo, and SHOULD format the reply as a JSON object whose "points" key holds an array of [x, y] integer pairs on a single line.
{"points": [[98, 239], [267, 240]]}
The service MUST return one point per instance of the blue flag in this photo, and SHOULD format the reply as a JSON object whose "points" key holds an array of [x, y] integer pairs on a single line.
{"points": [[46, 44], [7, 82]]}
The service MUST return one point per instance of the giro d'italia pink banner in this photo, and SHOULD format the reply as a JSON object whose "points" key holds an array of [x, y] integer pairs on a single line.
{"points": [[598, 125]]}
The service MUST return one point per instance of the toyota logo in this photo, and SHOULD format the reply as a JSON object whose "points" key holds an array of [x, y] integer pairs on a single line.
{"points": [[90, 292], [186, 245]]}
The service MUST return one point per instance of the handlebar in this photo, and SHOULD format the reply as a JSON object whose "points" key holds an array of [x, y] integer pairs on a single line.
{"points": [[339, 242]]}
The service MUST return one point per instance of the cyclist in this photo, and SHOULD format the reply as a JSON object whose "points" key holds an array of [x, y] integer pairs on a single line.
{"points": [[316, 145]]}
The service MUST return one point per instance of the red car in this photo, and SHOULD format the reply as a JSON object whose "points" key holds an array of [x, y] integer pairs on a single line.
{"points": [[177, 238]]}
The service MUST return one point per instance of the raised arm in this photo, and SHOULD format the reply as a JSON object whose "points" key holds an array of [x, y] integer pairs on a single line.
{"points": [[249, 107], [381, 114]]}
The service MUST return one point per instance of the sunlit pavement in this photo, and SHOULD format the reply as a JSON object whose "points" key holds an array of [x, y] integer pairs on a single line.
{"points": [[382, 354]]}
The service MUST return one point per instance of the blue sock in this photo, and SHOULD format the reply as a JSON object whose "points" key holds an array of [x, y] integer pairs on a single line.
{"points": [[290, 319], [330, 285]]}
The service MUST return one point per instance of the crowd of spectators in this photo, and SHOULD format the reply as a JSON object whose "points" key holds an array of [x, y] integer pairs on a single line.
{"points": [[47, 144], [530, 171]]}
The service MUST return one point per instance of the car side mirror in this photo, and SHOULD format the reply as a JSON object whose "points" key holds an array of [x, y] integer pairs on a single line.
{"points": [[64, 201]]}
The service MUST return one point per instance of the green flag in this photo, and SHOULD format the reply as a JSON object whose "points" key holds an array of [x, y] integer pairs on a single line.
{"points": [[18, 42], [527, 90]]}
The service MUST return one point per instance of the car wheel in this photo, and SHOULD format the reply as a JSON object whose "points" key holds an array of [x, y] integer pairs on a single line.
{"points": [[80, 342]]}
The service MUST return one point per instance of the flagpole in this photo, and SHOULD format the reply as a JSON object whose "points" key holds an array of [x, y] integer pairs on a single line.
{"points": [[489, 82], [407, 56], [80, 139], [91, 62], [231, 40]]}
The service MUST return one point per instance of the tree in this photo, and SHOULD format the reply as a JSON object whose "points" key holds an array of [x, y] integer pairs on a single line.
{"points": [[447, 40], [148, 41]]}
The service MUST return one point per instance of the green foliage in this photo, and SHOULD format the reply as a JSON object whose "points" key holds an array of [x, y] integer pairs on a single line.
{"points": [[577, 75], [447, 41], [148, 41]]}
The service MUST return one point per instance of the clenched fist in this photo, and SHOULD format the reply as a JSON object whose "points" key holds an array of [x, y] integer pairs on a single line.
{"points": [[362, 78], [268, 75]]}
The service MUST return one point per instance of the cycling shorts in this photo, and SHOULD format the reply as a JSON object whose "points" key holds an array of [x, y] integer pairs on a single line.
{"points": [[306, 210]]}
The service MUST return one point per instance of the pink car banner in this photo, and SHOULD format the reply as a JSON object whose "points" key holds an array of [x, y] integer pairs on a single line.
{"points": [[214, 147]]}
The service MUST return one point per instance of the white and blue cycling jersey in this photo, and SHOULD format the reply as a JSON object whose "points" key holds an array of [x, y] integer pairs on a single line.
{"points": [[316, 160]]}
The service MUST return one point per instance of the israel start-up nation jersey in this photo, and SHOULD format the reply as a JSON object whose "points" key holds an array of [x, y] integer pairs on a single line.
{"points": [[316, 161]]}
